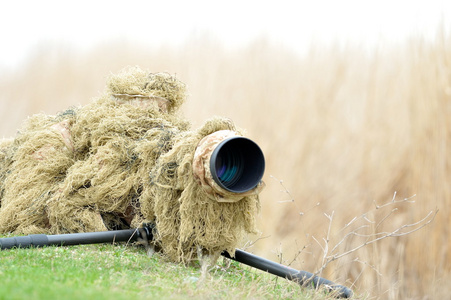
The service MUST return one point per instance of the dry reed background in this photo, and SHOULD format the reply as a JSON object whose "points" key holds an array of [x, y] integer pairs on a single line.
{"points": [[341, 127]]}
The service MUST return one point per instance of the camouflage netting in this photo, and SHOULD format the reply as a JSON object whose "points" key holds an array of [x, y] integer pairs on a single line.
{"points": [[124, 159], [5, 151]]}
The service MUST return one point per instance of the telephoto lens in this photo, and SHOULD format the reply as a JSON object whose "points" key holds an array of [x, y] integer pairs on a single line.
{"points": [[237, 164]]}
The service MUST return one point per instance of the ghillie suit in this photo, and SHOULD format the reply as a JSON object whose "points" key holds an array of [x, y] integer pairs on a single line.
{"points": [[124, 159]]}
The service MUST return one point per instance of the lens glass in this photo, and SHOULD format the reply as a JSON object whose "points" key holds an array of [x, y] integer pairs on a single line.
{"points": [[229, 166], [237, 165]]}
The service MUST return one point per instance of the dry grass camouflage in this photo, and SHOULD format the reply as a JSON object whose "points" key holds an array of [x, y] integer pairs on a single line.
{"points": [[114, 163]]}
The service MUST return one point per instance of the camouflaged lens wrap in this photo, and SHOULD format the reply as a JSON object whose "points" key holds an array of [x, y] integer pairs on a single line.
{"points": [[202, 172]]}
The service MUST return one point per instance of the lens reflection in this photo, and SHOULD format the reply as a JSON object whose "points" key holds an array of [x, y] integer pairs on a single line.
{"points": [[237, 164], [229, 165]]}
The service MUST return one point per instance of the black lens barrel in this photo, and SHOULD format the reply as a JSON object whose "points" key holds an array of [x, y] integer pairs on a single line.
{"points": [[237, 164]]}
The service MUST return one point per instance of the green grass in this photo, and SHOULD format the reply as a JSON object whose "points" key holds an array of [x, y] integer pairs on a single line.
{"points": [[121, 272]]}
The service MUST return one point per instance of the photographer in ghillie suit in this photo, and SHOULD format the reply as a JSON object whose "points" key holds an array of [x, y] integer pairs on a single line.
{"points": [[124, 159]]}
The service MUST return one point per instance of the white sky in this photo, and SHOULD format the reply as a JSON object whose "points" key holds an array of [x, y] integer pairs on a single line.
{"points": [[24, 24]]}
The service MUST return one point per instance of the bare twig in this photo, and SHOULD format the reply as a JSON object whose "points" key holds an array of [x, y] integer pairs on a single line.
{"points": [[250, 244], [331, 255], [394, 201], [285, 190], [297, 255]]}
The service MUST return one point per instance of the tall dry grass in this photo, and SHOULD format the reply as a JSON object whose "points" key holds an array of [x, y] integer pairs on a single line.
{"points": [[342, 128]]}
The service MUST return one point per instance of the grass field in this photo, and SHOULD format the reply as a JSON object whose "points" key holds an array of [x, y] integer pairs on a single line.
{"points": [[344, 130], [124, 272]]}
